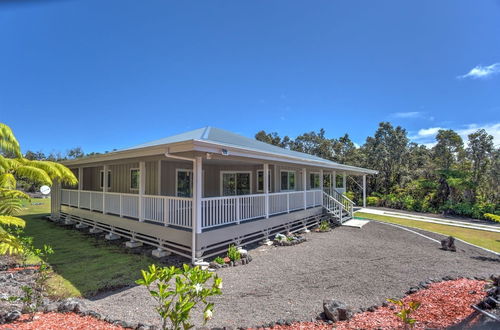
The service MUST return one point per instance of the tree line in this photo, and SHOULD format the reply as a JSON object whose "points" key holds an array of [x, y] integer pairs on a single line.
{"points": [[452, 177]]}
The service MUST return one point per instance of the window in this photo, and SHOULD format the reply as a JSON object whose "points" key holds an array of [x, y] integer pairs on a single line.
{"points": [[134, 178], [314, 180], [287, 180], [184, 183], [236, 183], [102, 179], [260, 180]]}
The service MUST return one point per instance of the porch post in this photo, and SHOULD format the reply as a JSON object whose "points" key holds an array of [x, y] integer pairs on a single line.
{"points": [[364, 190], [197, 193], [321, 179], [304, 186], [344, 182], [105, 170], [142, 188], [159, 178], [266, 188], [80, 183], [334, 181]]}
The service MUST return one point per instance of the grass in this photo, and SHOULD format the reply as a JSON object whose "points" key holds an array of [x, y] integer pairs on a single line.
{"points": [[83, 265], [486, 239]]}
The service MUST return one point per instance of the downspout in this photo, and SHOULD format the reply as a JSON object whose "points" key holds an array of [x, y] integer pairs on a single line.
{"points": [[193, 217]]}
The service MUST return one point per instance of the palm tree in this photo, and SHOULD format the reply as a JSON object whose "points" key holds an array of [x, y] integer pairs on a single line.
{"points": [[41, 172]]}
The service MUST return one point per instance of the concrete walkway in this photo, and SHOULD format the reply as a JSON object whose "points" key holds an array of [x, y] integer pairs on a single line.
{"points": [[418, 217]]}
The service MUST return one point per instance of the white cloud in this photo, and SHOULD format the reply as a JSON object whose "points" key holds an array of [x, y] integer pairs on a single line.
{"points": [[410, 114], [482, 71], [427, 136]]}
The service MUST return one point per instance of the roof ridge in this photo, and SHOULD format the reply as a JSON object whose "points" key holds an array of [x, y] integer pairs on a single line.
{"points": [[206, 132]]}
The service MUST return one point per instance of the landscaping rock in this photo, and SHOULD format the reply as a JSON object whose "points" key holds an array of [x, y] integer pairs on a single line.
{"points": [[12, 316], [336, 310], [448, 244]]}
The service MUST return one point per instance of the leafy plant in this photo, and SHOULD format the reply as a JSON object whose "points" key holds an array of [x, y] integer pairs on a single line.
{"points": [[233, 253], [219, 260], [324, 226], [491, 216], [13, 167], [406, 311], [178, 290]]}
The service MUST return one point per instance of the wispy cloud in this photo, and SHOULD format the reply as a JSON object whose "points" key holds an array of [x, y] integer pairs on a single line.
{"points": [[427, 136], [410, 114], [482, 71]]}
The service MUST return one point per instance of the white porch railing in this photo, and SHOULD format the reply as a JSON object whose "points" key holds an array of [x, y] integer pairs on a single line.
{"points": [[216, 211], [165, 210]]}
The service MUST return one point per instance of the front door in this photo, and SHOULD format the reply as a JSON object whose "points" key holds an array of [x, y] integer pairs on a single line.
{"points": [[236, 183]]}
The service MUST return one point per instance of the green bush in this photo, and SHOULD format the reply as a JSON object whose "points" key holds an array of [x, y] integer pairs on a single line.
{"points": [[491, 216], [178, 290], [324, 226], [373, 201], [233, 253], [219, 260], [350, 195]]}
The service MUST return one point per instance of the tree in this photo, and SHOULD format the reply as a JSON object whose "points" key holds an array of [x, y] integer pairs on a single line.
{"points": [[448, 150], [75, 153], [479, 151], [11, 169]]}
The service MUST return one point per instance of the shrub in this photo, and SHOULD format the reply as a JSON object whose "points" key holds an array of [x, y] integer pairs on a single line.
{"points": [[350, 195], [233, 253], [178, 290], [324, 226], [491, 216], [405, 311], [373, 201], [219, 260]]}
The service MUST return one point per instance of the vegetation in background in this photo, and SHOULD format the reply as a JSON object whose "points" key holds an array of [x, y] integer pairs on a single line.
{"points": [[487, 239], [450, 177], [324, 226], [178, 290]]}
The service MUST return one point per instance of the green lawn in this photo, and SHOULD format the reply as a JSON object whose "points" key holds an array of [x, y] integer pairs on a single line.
{"points": [[83, 265], [486, 239]]}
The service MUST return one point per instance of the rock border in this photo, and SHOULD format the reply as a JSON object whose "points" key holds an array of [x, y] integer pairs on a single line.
{"points": [[296, 239], [243, 261]]}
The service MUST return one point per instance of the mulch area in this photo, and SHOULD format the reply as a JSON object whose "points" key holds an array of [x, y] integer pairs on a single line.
{"points": [[68, 321], [443, 304]]}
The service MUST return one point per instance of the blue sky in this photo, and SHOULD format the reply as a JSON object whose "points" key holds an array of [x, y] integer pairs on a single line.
{"points": [[111, 74]]}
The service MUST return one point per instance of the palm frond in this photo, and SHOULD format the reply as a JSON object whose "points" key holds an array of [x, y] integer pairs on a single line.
{"points": [[8, 164], [55, 170], [7, 181], [9, 244], [7, 220], [8, 142], [33, 174], [11, 193], [10, 206]]}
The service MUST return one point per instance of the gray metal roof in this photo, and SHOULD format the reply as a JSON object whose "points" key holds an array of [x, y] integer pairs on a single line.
{"points": [[223, 137]]}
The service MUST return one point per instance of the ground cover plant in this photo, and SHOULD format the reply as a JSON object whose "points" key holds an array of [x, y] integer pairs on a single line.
{"points": [[486, 239]]}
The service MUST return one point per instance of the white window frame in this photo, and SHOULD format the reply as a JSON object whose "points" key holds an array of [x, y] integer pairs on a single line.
{"points": [[234, 172], [288, 180], [130, 177], [310, 181], [257, 180], [101, 182]]}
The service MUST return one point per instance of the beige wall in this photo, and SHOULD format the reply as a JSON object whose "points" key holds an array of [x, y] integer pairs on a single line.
{"points": [[120, 177]]}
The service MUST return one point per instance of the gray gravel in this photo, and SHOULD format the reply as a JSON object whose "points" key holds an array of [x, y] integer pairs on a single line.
{"points": [[361, 267]]}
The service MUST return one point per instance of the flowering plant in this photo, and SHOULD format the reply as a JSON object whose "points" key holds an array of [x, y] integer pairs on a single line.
{"points": [[178, 290]]}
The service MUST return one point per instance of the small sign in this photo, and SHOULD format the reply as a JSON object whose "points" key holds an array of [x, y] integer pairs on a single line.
{"points": [[45, 190]]}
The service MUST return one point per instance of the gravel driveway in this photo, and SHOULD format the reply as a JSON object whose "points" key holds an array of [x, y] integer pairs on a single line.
{"points": [[361, 267]]}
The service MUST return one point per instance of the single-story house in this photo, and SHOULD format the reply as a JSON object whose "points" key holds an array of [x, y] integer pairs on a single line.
{"points": [[195, 193]]}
